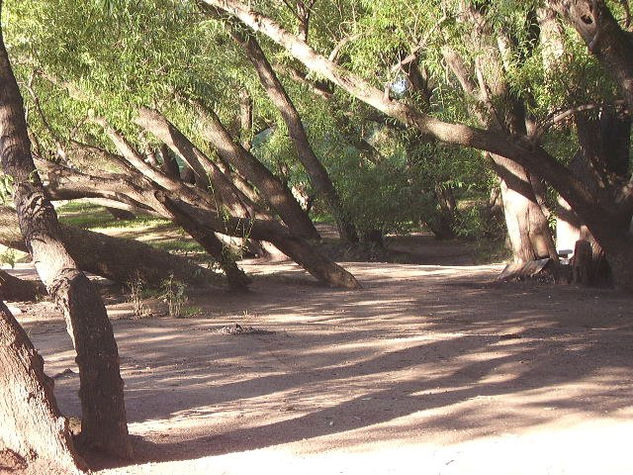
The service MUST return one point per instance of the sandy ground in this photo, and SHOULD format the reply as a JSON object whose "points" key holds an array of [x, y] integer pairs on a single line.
{"points": [[427, 370]]}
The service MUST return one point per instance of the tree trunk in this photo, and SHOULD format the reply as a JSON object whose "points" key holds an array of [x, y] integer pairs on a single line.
{"points": [[18, 290], [528, 229], [104, 424], [293, 246], [271, 188], [317, 173], [236, 278], [32, 432], [118, 259], [223, 189], [620, 259], [152, 176]]}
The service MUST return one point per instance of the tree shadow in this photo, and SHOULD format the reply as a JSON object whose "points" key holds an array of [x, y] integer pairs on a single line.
{"points": [[427, 349]]}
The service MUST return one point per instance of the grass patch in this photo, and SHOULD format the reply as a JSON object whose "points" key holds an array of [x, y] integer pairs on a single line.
{"points": [[490, 252], [157, 232]]}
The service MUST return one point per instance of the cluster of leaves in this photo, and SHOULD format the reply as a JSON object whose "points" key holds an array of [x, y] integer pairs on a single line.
{"points": [[118, 55]]}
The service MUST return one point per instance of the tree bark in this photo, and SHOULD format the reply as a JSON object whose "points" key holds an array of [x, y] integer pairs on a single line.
{"points": [[104, 423], [276, 92], [271, 188], [17, 290], [293, 246], [32, 427], [118, 259]]}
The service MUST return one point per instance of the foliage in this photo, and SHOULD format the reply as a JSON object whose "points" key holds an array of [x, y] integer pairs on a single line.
{"points": [[138, 293], [174, 295], [118, 55], [8, 256]]}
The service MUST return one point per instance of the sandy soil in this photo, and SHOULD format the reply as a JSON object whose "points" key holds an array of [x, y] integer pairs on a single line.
{"points": [[429, 369]]}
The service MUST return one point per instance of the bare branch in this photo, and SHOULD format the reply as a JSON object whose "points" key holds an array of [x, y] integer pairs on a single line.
{"points": [[559, 116]]}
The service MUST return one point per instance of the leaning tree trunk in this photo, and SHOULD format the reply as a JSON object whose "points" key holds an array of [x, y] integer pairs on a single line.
{"points": [[32, 433], [276, 92], [104, 423], [118, 259], [273, 191], [293, 246], [18, 290], [236, 277]]}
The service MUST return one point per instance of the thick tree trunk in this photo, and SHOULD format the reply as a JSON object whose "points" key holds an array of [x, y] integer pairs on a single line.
{"points": [[528, 229], [620, 259], [18, 290], [276, 92], [118, 259], [32, 428], [104, 423], [293, 246], [273, 191]]}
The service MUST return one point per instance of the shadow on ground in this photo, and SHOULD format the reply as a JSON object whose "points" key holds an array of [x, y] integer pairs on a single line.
{"points": [[422, 353]]}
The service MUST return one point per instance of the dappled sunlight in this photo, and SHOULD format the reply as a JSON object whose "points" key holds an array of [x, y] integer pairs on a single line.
{"points": [[427, 360]]}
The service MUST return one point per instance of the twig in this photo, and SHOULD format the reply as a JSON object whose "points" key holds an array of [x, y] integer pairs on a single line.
{"points": [[413, 55], [558, 116]]}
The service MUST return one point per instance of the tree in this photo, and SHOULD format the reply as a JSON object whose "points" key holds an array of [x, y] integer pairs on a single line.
{"points": [[498, 107], [607, 216], [32, 428], [104, 424], [276, 92]]}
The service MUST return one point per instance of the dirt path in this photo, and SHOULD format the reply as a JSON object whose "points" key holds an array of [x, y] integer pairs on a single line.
{"points": [[427, 370]]}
